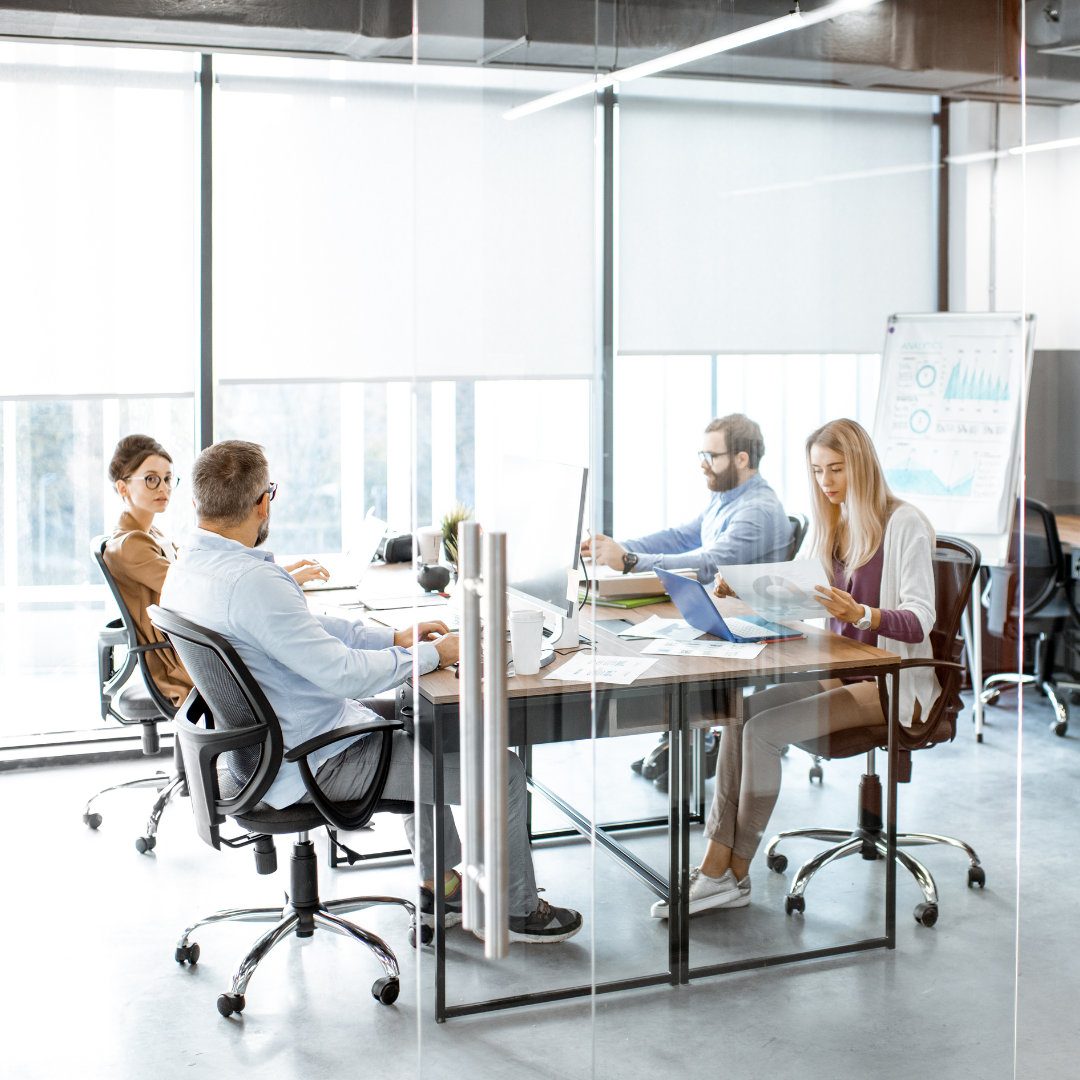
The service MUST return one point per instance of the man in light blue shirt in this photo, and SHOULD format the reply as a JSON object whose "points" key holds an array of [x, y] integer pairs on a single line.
{"points": [[742, 523], [313, 669]]}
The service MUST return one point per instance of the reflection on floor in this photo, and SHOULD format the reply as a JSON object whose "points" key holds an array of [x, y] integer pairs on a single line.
{"points": [[93, 990]]}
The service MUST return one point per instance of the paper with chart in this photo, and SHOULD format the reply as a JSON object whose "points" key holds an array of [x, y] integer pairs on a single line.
{"points": [[779, 590], [948, 416], [668, 629], [589, 667], [720, 650]]}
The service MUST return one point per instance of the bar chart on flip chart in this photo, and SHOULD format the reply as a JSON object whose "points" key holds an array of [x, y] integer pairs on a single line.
{"points": [[947, 426]]}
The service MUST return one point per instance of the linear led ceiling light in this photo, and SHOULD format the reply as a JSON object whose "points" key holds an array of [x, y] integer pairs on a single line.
{"points": [[796, 20]]}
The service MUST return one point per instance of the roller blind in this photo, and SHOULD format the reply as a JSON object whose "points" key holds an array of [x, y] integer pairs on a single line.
{"points": [[772, 220], [98, 266], [365, 229]]}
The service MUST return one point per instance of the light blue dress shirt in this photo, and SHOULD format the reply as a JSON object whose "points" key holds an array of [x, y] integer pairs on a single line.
{"points": [[744, 525], [309, 666]]}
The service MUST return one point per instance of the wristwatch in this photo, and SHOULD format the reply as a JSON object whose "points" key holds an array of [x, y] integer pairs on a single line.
{"points": [[866, 620], [629, 561]]}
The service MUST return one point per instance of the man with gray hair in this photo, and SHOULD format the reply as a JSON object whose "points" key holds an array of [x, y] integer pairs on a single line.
{"points": [[314, 669]]}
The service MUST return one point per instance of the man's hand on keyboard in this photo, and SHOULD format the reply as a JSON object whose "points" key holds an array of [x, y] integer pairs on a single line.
{"points": [[447, 647], [425, 631]]}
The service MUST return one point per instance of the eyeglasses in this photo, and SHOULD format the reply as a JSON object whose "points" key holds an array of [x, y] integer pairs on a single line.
{"points": [[271, 491], [707, 457], [153, 481]]}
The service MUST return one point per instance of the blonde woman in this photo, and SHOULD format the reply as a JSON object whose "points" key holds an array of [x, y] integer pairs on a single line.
{"points": [[139, 554], [877, 554]]}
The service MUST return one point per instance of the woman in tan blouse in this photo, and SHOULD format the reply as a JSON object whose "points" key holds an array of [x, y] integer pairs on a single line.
{"points": [[139, 554]]}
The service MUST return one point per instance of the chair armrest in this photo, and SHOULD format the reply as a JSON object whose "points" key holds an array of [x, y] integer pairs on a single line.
{"points": [[151, 647], [361, 727]]}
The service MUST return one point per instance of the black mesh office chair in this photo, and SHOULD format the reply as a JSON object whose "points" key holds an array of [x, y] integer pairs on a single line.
{"points": [[799, 525], [956, 564], [232, 746], [1047, 604], [133, 701]]}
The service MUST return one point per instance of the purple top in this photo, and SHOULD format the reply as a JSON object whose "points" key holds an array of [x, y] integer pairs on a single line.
{"points": [[865, 586]]}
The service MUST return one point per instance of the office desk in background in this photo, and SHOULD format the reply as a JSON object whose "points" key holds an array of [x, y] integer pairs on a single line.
{"points": [[673, 694]]}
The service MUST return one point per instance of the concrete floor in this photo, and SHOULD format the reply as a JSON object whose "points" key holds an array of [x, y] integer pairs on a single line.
{"points": [[92, 990]]}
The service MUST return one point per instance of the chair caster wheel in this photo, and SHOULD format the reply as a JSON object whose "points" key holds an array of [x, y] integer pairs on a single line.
{"points": [[187, 954], [636, 765], [926, 914], [384, 990], [227, 1004], [1059, 727], [145, 843], [793, 904], [776, 862], [989, 697], [93, 820], [976, 876], [427, 935], [817, 773]]}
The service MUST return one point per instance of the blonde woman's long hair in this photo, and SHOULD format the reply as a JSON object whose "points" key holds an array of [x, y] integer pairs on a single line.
{"points": [[866, 507]]}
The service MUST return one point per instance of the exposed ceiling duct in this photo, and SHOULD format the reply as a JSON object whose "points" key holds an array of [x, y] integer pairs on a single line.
{"points": [[960, 48]]}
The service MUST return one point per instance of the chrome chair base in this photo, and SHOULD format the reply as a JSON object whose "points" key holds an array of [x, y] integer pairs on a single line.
{"points": [[993, 686], [301, 918], [168, 787], [871, 844]]}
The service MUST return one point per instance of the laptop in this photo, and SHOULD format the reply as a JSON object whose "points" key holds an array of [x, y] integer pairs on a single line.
{"points": [[346, 569], [697, 608]]}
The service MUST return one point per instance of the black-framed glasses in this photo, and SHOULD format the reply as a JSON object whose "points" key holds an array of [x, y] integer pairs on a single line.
{"points": [[707, 457], [271, 491], [153, 481]]}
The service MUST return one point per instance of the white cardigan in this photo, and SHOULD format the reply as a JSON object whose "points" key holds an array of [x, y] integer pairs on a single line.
{"points": [[907, 584]]}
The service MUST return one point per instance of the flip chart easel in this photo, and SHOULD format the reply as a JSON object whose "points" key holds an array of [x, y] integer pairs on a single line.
{"points": [[948, 428]]}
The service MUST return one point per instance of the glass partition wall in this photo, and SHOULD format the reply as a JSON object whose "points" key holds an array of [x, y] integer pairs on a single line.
{"points": [[411, 285]]}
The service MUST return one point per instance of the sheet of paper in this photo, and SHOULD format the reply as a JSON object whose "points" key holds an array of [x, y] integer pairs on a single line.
{"points": [[656, 627], [584, 667], [726, 650], [779, 590]]}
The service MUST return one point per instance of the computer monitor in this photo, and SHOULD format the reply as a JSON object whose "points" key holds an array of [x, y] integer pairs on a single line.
{"points": [[540, 505]]}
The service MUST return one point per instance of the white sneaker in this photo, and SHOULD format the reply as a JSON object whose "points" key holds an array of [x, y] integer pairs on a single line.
{"points": [[707, 892]]}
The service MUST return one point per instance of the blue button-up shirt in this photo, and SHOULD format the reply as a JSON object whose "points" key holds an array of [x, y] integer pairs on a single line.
{"points": [[744, 525], [309, 667]]}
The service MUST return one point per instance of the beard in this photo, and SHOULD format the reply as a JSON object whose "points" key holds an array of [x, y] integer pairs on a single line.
{"points": [[725, 480], [263, 533]]}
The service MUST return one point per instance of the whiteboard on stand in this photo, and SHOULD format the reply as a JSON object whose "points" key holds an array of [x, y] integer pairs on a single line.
{"points": [[948, 422]]}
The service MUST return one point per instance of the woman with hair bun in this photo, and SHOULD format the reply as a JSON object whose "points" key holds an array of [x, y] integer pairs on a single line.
{"points": [[877, 553], [139, 554]]}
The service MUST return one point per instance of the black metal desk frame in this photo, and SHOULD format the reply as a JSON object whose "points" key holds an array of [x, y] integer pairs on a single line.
{"points": [[442, 720]]}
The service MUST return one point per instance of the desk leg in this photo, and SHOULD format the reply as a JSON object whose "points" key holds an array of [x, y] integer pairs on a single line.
{"points": [[894, 760], [437, 797], [973, 638], [679, 842]]}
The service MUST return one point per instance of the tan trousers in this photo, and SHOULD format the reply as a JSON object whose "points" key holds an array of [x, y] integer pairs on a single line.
{"points": [[748, 771]]}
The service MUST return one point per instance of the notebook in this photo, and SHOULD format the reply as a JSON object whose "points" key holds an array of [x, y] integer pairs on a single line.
{"points": [[697, 608]]}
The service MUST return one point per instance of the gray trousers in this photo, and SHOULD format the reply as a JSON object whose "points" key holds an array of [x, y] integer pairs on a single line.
{"points": [[748, 770], [348, 775]]}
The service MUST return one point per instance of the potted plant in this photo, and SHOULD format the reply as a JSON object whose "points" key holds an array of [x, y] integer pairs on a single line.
{"points": [[458, 513]]}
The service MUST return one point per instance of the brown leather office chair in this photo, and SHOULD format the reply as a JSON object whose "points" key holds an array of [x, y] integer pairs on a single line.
{"points": [[956, 564]]}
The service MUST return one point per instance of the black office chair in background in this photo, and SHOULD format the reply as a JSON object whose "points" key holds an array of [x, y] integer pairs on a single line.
{"points": [[956, 563], [1047, 604], [232, 745], [133, 701]]}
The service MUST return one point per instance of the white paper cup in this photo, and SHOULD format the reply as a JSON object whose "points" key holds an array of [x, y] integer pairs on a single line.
{"points": [[526, 639], [428, 542]]}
